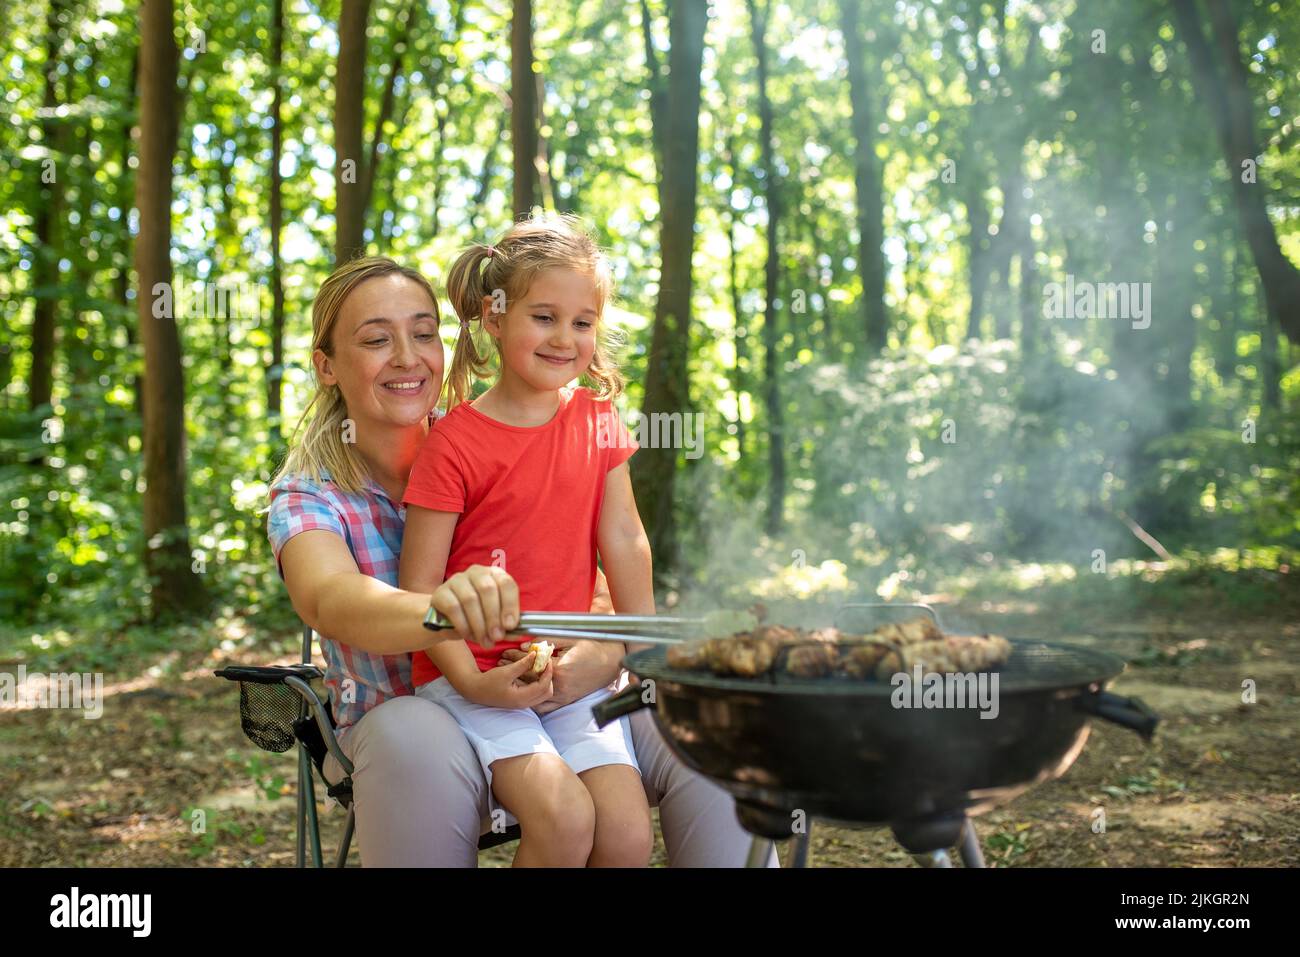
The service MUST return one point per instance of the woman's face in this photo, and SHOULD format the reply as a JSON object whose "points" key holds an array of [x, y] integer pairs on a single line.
{"points": [[388, 356], [548, 335]]}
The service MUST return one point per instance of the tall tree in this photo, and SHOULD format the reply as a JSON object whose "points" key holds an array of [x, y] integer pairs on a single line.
{"points": [[175, 587], [349, 117], [741, 358], [666, 384], [868, 180], [523, 109], [1226, 94], [758, 19], [49, 214]]}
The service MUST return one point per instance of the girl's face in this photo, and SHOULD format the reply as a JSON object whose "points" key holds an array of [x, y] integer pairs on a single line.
{"points": [[548, 335], [388, 356]]}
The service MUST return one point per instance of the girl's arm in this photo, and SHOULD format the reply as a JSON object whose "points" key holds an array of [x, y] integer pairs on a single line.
{"points": [[426, 543], [624, 548], [332, 595]]}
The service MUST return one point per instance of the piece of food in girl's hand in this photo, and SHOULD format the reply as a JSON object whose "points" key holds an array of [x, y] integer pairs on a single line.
{"points": [[544, 651]]}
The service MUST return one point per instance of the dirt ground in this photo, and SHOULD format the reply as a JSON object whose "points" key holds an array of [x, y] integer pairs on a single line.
{"points": [[165, 777]]}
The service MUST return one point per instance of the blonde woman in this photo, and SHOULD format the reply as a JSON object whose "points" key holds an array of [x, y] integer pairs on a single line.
{"points": [[336, 526]]}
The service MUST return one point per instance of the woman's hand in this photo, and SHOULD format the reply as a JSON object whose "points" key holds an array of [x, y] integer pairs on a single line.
{"points": [[580, 668], [482, 603], [508, 685]]}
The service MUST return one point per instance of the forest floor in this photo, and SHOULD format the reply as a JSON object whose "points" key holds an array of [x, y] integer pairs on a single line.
{"points": [[1220, 785]]}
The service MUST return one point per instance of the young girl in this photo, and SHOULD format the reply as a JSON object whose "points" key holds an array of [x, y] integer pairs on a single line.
{"points": [[533, 475]]}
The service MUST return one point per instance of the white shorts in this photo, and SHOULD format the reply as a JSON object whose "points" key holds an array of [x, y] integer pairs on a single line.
{"points": [[569, 732]]}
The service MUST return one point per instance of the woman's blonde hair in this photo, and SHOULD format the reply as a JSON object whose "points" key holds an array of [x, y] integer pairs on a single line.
{"points": [[322, 448], [503, 272]]}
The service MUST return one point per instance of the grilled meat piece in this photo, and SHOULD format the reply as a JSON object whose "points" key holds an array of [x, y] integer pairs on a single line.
{"points": [[956, 653], [741, 654], [909, 632], [859, 660], [688, 655], [815, 659], [745, 656], [861, 657]]}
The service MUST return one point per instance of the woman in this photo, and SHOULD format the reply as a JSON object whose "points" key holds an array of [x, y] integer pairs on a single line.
{"points": [[336, 527]]}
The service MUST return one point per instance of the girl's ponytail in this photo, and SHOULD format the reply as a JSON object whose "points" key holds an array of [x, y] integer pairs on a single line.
{"points": [[467, 286]]}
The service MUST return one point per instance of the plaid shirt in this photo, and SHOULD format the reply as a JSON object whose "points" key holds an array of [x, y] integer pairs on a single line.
{"points": [[370, 524]]}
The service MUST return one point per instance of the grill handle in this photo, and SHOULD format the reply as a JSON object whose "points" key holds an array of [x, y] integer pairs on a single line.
{"points": [[1132, 713], [630, 699]]}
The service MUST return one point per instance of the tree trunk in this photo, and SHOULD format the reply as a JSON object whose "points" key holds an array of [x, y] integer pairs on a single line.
{"points": [[349, 145], [1227, 96], [737, 312], [49, 215], [658, 94], [1031, 297], [1222, 304], [175, 586], [1270, 364], [122, 275], [275, 374], [666, 382], [868, 182], [368, 175], [523, 109], [771, 282], [977, 216], [1178, 280], [226, 232], [448, 59]]}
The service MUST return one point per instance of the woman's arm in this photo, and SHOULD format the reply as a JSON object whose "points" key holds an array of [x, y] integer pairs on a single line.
{"points": [[331, 595], [624, 548]]}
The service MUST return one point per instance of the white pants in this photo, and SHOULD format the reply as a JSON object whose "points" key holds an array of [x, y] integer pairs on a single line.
{"points": [[569, 732]]}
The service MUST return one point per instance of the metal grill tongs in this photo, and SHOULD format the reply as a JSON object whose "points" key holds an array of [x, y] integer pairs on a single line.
{"points": [[636, 629]]}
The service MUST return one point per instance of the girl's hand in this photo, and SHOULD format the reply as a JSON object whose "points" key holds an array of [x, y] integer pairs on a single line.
{"points": [[506, 686], [481, 602], [580, 667]]}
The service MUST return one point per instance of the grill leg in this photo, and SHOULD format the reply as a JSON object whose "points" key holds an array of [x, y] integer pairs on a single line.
{"points": [[801, 848], [759, 851], [971, 855], [346, 842]]}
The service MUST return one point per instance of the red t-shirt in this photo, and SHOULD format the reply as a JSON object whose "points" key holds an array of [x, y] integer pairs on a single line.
{"points": [[529, 500]]}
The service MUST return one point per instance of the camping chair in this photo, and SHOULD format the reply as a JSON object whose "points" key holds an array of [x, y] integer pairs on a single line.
{"points": [[278, 706]]}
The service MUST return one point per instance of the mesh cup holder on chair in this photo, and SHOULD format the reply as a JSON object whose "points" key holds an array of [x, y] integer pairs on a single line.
{"points": [[268, 704], [267, 713]]}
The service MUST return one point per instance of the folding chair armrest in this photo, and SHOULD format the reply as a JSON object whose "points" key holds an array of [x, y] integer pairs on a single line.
{"points": [[317, 709], [269, 674]]}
